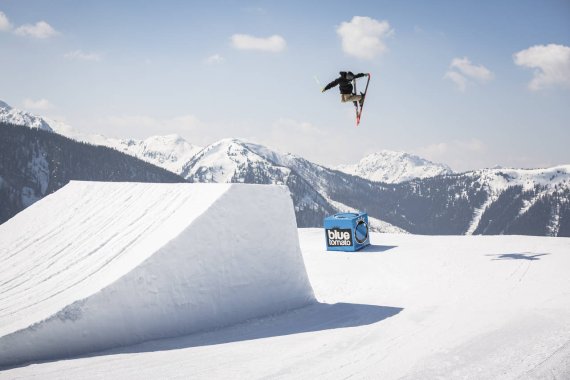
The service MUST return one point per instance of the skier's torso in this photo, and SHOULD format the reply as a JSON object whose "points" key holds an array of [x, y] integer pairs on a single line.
{"points": [[345, 86]]}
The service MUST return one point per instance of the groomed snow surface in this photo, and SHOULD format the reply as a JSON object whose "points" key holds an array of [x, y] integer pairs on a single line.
{"points": [[407, 307], [100, 265]]}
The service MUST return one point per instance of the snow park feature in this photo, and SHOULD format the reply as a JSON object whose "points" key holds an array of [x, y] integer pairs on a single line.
{"points": [[100, 265], [346, 231]]}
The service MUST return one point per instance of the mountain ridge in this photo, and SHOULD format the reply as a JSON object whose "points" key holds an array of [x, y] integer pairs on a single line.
{"points": [[394, 167], [484, 201]]}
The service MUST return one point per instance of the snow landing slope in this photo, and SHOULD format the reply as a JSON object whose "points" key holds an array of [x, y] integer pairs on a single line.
{"points": [[100, 265]]}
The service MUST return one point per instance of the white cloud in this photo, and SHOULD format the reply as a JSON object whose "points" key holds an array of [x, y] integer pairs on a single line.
{"points": [[273, 44], [551, 63], [80, 55], [363, 37], [465, 66], [459, 80], [40, 30], [462, 72], [214, 59], [41, 104], [4, 22]]}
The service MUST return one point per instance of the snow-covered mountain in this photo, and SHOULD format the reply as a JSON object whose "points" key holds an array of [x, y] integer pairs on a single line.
{"points": [[170, 152], [518, 198], [238, 161], [487, 201], [241, 161], [18, 117], [232, 160], [394, 167]]}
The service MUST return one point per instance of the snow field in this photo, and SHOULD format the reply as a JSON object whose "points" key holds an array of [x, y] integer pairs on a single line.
{"points": [[407, 307], [101, 265]]}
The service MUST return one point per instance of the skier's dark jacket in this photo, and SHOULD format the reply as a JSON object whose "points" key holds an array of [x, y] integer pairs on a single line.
{"points": [[344, 82]]}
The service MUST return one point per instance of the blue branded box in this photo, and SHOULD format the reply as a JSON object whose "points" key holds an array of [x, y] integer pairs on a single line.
{"points": [[347, 231]]}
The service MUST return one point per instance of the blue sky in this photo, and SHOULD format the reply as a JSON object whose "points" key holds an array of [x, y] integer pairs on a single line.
{"points": [[468, 83]]}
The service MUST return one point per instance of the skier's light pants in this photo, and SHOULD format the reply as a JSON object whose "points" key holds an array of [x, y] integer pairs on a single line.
{"points": [[350, 98]]}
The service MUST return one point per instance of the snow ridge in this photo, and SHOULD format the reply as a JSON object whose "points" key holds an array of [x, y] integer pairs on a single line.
{"points": [[128, 262]]}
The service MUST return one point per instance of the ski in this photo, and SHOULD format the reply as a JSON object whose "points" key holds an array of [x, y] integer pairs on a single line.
{"points": [[359, 114]]}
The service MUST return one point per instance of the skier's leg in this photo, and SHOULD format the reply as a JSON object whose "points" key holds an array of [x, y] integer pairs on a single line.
{"points": [[353, 97]]}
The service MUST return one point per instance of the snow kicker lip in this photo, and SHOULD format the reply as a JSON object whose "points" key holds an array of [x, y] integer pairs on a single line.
{"points": [[165, 260]]}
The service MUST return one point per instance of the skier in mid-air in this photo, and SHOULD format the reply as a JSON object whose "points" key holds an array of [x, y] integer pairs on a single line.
{"points": [[347, 91], [344, 82]]}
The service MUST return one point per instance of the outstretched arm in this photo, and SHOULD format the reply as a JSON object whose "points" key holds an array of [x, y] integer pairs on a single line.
{"points": [[360, 75], [331, 85]]}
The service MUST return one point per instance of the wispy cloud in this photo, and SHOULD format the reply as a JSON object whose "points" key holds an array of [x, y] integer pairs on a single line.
{"points": [[214, 59], [41, 104], [462, 72], [5, 24], [459, 80], [273, 44], [302, 138], [41, 30], [80, 55], [459, 154], [551, 63], [133, 125], [465, 66], [363, 37]]}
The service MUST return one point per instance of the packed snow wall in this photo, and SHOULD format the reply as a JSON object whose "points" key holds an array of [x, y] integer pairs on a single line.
{"points": [[100, 265]]}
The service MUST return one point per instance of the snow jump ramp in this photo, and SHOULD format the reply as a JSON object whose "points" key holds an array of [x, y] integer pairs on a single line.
{"points": [[99, 265]]}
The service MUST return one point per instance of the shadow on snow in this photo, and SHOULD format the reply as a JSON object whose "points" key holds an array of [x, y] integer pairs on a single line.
{"points": [[312, 318], [519, 256], [377, 248]]}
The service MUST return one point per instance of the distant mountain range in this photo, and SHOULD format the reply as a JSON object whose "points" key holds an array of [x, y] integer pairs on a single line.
{"points": [[35, 162], [174, 153], [394, 167], [401, 192]]}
